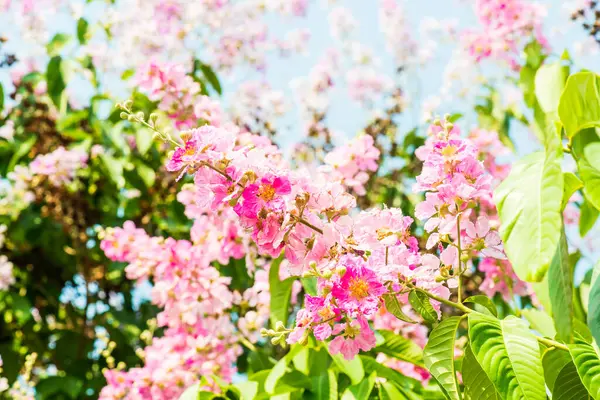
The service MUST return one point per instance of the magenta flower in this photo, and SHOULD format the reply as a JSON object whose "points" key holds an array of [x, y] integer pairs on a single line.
{"points": [[264, 194], [359, 289]]}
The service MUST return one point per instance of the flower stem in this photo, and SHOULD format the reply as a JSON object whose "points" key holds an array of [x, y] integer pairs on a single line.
{"points": [[459, 261], [311, 226]]}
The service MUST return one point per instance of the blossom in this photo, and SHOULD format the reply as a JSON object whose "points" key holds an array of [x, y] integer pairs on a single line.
{"points": [[357, 335], [265, 194], [359, 288], [480, 237]]}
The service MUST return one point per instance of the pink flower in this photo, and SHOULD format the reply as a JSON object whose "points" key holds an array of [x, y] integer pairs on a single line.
{"points": [[357, 336], [481, 238], [359, 289], [266, 194]]}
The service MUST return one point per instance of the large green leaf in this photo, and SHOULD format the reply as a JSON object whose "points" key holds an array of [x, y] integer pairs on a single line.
{"points": [[281, 292], [1, 97], [248, 389], [388, 391], [420, 302], [477, 384], [361, 390], [540, 321], [588, 217], [590, 175], [393, 306], [579, 106], [438, 356], [560, 283], [549, 83], [484, 301], [593, 317], [553, 361], [572, 184], [399, 347], [568, 385], [324, 386], [529, 203], [587, 363], [353, 368], [509, 354]]}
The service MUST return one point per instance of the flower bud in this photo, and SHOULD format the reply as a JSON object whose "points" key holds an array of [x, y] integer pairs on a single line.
{"points": [[123, 115], [279, 326]]}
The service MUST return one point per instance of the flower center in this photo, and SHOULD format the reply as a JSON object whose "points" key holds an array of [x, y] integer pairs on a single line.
{"points": [[359, 288], [266, 192], [449, 151]]}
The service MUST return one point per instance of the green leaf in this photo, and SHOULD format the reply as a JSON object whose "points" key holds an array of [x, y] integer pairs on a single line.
{"points": [[353, 368], [22, 150], [587, 363], [210, 75], [387, 391], [55, 80], [592, 153], [82, 30], [483, 301], [371, 365], [143, 140], [529, 201], [438, 356], [591, 181], [276, 373], [422, 305], [248, 389], [55, 387], [509, 354], [324, 386], [57, 43], [477, 385], [146, 173], [400, 347], [568, 386], [553, 361], [281, 291], [549, 83], [310, 285], [540, 321], [114, 167], [560, 283], [191, 393], [393, 306], [579, 106], [588, 217], [572, 184], [360, 391], [1, 97], [593, 318]]}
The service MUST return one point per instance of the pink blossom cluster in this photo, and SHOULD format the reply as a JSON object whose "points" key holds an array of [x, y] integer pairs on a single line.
{"points": [[500, 278], [507, 25], [355, 259], [351, 163], [176, 91], [60, 166], [7, 278], [174, 362], [195, 300]]}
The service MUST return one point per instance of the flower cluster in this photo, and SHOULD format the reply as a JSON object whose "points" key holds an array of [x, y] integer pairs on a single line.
{"points": [[505, 26], [351, 163], [176, 91], [60, 166], [356, 260], [195, 299]]}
